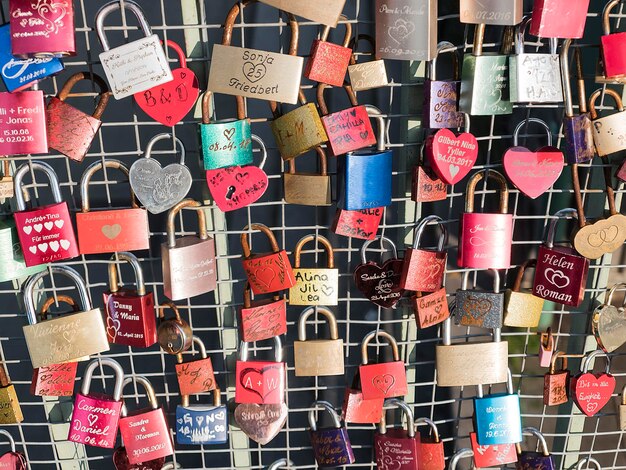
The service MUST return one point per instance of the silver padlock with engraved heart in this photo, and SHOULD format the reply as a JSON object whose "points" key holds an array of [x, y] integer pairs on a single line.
{"points": [[609, 322]]}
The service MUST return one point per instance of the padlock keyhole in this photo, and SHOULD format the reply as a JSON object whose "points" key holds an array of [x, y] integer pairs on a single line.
{"points": [[229, 194]]}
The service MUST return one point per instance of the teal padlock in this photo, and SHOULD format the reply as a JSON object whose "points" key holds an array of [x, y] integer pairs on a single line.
{"points": [[227, 142], [12, 264]]}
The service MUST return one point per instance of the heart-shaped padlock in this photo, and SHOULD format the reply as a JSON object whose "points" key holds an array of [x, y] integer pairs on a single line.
{"points": [[609, 322], [261, 423], [591, 391], [452, 157]]}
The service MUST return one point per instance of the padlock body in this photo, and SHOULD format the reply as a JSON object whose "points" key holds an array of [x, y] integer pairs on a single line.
{"points": [[497, 12], [621, 173], [545, 354], [535, 78], [441, 104], [195, 377], [188, 267], [498, 419], [264, 319], [522, 309], [431, 455], [357, 410], [622, 417], [485, 240], [327, 63], [560, 275], [479, 308], [608, 131], [426, 186], [556, 388], [146, 435], [70, 131], [613, 47], [112, 230], [269, 272], [318, 357], [423, 270], [298, 131], [431, 309], [95, 420], [130, 318], [485, 85], [368, 75], [395, 449], [472, 363], [559, 18], [12, 265], [120, 461], [486, 456], [307, 189], [24, 123], [534, 461], [384, 380], [13, 461], [10, 410], [331, 447], [56, 380], [349, 130], [314, 286], [365, 179], [578, 138], [361, 224], [226, 143], [199, 424], [136, 66], [260, 382]]}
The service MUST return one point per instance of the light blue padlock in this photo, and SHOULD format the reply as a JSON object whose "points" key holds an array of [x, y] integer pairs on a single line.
{"points": [[202, 424]]}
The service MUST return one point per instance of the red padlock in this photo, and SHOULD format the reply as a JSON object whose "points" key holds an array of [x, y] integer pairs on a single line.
{"points": [[130, 313], [46, 233], [492, 455], [431, 455], [426, 186], [397, 448], [559, 18], [613, 46], [385, 379], [358, 223], [23, 124], [328, 62], [262, 319], [423, 270], [430, 309], [260, 382], [197, 376], [357, 410], [12, 460]]}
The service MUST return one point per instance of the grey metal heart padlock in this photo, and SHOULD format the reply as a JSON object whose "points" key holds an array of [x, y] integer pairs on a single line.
{"points": [[609, 322], [158, 188]]}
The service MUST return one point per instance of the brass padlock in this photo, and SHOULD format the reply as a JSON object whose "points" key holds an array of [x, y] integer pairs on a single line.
{"points": [[318, 357], [521, 307], [314, 286], [366, 75], [308, 189], [6, 182], [10, 411], [622, 411]]}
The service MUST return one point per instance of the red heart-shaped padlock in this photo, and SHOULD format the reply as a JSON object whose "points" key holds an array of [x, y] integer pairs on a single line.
{"points": [[236, 186], [452, 157], [592, 391], [533, 173], [170, 102]]}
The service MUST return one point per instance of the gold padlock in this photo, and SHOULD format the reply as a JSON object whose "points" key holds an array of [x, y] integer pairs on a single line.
{"points": [[318, 357], [308, 189], [314, 286], [622, 411], [366, 75], [521, 307], [10, 411]]}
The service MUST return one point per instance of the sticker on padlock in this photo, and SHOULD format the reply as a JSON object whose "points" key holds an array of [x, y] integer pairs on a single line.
{"points": [[479, 308], [314, 286], [361, 223], [522, 309], [195, 376], [260, 382], [173, 334], [308, 189], [431, 455], [262, 319], [608, 321], [559, 18], [366, 75], [383, 379], [441, 97], [331, 445], [12, 460], [318, 357], [591, 392], [328, 62], [498, 12], [202, 424], [556, 382], [397, 448]]}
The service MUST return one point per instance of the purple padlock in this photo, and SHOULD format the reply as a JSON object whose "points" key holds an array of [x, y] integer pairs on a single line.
{"points": [[331, 446], [441, 97]]}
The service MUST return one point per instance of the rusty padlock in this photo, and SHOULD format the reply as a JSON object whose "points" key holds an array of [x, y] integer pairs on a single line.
{"points": [[173, 334]]}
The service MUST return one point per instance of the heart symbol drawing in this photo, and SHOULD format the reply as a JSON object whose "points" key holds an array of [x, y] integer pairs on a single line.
{"points": [[400, 30], [65, 244], [69, 335], [557, 278], [452, 157], [59, 223], [254, 72], [380, 284], [454, 170], [235, 187], [111, 231], [54, 246], [92, 419], [384, 382], [609, 327], [27, 229], [43, 247], [113, 326], [592, 391], [228, 133], [48, 225], [265, 276], [533, 173], [327, 290], [601, 237], [254, 379], [32, 249], [158, 188], [261, 423], [38, 227]]}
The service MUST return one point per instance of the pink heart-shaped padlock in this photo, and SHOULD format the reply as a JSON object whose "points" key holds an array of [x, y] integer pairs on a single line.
{"points": [[452, 157], [533, 173], [236, 186]]}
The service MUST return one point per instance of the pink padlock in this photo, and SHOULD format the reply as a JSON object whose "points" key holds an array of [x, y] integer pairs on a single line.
{"points": [[23, 123], [546, 348]]}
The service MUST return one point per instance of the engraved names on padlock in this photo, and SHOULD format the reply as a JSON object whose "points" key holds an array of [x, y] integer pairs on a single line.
{"points": [[592, 391], [91, 422], [452, 157], [329, 448], [159, 188], [261, 423], [22, 123], [555, 389], [46, 236], [502, 419], [556, 282], [442, 102], [210, 425], [541, 78], [314, 287], [264, 321], [403, 29], [431, 309], [393, 453], [264, 383], [265, 273], [380, 283], [236, 187], [492, 455], [55, 380], [145, 433], [349, 129], [197, 374], [359, 223]]}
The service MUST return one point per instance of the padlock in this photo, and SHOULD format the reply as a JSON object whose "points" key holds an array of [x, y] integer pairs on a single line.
{"points": [[426, 186], [195, 376], [262, 319], [280, 463], [266, 272], [423, 270], [621, 173], [577, 133], [12, 460], [202, 424], [365, 180], [559, 18], [157, 188], [331, 445], [431, 455], [11, 412], [479, 308], [361, 224], [383, 379], [622, 410], [110, 230], [138, 65], [350, 129], [406, 30], [318, 357], [591, 392], [366, 75], [328, 62], [68, 337], [588, 462], [253, 73], [472, 363], [314, 286], [607, 321], [226, 142], [120, 461], [12, 265], [96, 416], [497, 417], [497, 12], [612, 46], [561, 274], [308, 189], [356, 409], [260, 382], [491, 456], [546, 347], [485, 77], [534, 77], [556, 383], [46, 233], [441, 97], [6, 182], [130, 314], [261, 422], [485, 238], [430, 308], [527, 460], [24, 125], [145, 432], [608, 131], [173, 334], [188, 263], [71, 131], [522, 309], [397, 448], [324, 12]]}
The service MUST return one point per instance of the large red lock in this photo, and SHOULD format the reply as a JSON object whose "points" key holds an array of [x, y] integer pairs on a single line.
{"points": [[613, 46], [397, 448], [110, 230], [559, 18], [260, 382], [262, 319], [12, 460], [328, 62], [385, 379], [145, 432], [268, 272], [423, 270], [485, 238], [357, 410], [197, 376], [71, 131], [46, 233], [361, 223], [130, 314], [96, 416], [24, 123]]}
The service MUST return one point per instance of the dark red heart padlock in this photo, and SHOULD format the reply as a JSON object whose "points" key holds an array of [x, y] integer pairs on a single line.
{"points": [[591, 391], [260, 382], [170, 102], [380, 283]]}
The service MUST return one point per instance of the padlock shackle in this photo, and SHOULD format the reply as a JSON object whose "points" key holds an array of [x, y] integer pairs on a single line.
{"points": [[624, 395], [520, 31], [32, 281], [606, 20], [589, 461], [8, 435], [498, 178], [43, 314], [393, 403], [321, 153], [247, 296], [479, 36], [530, 431], [278, 350], [431, 424], [330, 317], [201, 349], [354, 45], [382, 239], [347, 36], [568, 98], [381, 140], [19, 176], [378, 334], [319, 240], [118, 372], [179, 52], [104, 94], [446, 333], [206, 109], [142, 380], [608, 297], [519, 277], [171, 220], [324, 405], [567, 213], [245, 245], [131, 259], [419, 231], [509, 385], [496, 280], [321, 102], [279, 464], [555, 357], [546, 339], [117, 5], [172, 306], [444, 47], [165, 136], [599, 92], [591, 356], [527, 122], [460, 454], [88, 174]]}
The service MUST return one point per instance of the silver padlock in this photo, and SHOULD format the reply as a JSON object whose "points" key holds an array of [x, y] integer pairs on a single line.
{"points": [[609, 132]]}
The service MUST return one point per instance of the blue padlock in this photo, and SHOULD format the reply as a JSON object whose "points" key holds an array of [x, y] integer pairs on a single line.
{"points": [[497, 417], [200, 424], [331, 446], [365, 175]]}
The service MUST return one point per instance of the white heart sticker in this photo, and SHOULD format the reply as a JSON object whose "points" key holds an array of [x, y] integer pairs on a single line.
{"points": [[38, 227], [32, 249], [59, 223], [65, 244], [54, 246], [43, 247], [48, 225], [27, 229]]}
